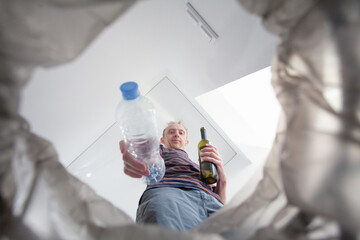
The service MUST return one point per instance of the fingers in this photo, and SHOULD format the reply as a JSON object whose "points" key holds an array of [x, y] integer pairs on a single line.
{"points": [[130, 171], [210, 153], [209, 148], [122, 146], [132, 167]]}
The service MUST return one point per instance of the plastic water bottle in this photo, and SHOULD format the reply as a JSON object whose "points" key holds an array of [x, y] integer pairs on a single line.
{"points": [[135, 115]]}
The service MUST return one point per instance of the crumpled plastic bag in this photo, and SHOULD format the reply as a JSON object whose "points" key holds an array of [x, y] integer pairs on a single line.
{"points": [[310, 177]]}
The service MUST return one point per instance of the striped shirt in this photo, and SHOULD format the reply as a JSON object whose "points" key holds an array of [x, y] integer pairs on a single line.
{"points": [[181, 172]]}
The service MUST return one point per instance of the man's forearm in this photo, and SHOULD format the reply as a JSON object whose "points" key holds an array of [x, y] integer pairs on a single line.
{"points": [[220, 190]]}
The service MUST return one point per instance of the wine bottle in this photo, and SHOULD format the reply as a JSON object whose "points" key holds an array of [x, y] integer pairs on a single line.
{"points": [[208, 171]]}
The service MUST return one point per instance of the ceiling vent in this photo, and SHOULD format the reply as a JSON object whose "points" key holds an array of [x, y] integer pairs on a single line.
{"points": [[205, 28]]}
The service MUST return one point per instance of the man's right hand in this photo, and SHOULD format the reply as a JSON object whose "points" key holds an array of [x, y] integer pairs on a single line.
{"points": [[132, 167]]}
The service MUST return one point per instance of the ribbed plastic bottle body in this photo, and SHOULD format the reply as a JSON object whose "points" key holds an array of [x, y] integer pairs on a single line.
{"points": [[137, 122]]}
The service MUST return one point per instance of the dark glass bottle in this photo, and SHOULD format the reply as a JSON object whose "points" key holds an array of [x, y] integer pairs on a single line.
{"points": [[208, 171]]}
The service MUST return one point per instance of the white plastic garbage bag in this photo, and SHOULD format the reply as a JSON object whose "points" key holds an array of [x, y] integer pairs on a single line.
{"points": [[312, 173]]}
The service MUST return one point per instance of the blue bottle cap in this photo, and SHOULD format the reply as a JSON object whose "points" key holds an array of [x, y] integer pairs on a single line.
{"points": [[129, 90]]}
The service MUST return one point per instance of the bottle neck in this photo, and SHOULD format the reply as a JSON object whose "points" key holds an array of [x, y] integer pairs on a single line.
{"points": [[131, 100], [203, 133]]}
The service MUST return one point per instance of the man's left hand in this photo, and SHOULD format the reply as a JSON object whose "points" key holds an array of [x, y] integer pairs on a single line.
{"points": [[211, 154]]}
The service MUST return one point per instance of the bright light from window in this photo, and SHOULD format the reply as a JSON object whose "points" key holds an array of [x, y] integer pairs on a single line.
{"points": [[246, 109]]}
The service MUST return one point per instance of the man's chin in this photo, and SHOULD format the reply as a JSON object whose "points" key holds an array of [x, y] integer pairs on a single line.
{"points": [[176, 146]]}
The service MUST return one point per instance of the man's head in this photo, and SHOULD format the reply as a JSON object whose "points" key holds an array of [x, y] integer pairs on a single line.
{"points": [[175, 135]]}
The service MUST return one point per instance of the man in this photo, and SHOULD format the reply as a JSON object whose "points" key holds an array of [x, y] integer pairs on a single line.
{"points": [[180, 201]]}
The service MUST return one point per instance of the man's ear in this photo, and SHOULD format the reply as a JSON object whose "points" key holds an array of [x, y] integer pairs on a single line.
{"points": [[187, 142], [162, 140]]}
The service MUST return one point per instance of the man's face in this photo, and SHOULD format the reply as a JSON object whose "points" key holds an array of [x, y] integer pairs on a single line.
{"points": [[175, 136]]}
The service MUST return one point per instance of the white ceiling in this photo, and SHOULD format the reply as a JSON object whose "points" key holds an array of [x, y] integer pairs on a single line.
{"points": [[73, 105], [172, 104]]}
